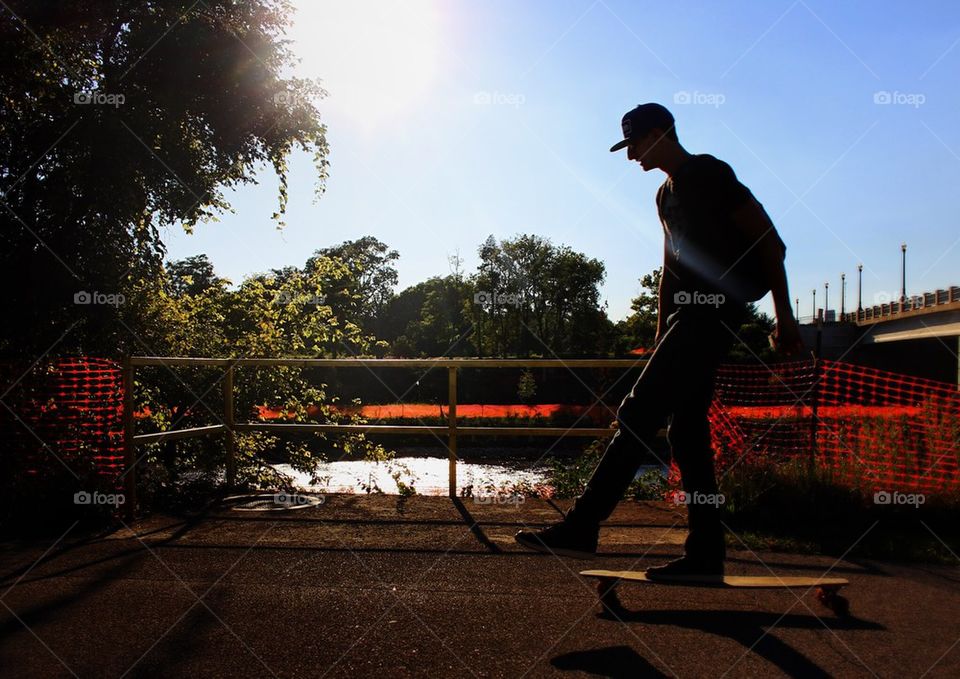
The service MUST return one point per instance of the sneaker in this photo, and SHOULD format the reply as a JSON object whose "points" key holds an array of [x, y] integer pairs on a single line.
{"points": [[562, 539], [687, 568]]}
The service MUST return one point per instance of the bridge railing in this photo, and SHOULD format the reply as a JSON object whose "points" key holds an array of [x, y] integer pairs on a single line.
{"points": [[229, 425], [925, 302]]}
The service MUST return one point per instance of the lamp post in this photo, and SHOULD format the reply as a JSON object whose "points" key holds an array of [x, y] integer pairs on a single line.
{"points": [[859, 288], [843, 292], [826, 300], [903, 274], [798, 308], [814, 305]]}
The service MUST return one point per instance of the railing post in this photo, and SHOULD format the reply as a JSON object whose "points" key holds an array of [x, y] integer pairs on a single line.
{"points": [[230, 437], [129, 450], [452, 421]]}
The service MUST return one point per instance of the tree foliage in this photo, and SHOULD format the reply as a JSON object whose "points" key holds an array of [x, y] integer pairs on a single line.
{"points": [[535, 298], [116, 119], [267, 315], [639, 329]]}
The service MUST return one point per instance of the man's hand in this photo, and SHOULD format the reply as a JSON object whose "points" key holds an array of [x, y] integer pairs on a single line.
{"points": [[786, 337]]}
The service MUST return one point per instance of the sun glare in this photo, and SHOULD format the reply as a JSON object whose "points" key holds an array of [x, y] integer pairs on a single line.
{"points": [[376, 58]]}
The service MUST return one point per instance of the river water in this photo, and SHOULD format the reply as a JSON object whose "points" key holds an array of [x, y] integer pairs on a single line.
{"points": [[428, 475]]}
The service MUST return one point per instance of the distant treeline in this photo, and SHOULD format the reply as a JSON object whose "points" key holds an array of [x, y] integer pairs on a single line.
{"points": [[527, 298]]}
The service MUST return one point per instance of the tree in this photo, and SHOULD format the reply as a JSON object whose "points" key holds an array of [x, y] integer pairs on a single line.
{"points": [[753, 339], [373, 275], [534, 297], [266, 315], [117, 118], [192, 276], [640, 328], [430, 319]]}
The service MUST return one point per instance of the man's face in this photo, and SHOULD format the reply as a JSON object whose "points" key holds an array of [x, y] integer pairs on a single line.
{"points": [[644, 150]]}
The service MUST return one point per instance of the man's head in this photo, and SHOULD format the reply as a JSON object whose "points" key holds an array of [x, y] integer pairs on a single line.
{"points": [[649, 132]]}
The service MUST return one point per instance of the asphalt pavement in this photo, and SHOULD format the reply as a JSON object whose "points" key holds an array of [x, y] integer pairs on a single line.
{"points": [[375, 586]]}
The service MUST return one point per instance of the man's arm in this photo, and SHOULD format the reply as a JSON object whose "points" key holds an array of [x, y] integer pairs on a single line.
{"points": [[753, 221]]}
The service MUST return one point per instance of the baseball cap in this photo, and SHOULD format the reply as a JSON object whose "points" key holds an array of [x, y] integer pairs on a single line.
{"points": [[638, 121]]}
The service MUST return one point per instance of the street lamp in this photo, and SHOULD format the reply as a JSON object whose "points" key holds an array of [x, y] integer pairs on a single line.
{"points": [[843, 292], [903, 274], [860, 288], [798, 308], [826, 300], [814, 305]]}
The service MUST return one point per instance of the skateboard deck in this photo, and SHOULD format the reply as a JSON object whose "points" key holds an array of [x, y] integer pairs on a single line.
{"points": [[827, 589]]}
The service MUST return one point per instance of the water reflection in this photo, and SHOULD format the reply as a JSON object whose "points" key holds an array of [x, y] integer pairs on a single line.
{"points": [[428, 475]]}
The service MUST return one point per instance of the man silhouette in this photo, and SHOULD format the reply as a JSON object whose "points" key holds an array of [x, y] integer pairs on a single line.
{"points": [[721, 251]]}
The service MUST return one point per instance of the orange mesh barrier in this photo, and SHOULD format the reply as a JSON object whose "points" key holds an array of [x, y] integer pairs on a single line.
{"points": [[873, 429], [68, 411]]}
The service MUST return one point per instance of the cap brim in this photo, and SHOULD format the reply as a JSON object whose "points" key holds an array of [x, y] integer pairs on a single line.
{"points": [[620, 145]]}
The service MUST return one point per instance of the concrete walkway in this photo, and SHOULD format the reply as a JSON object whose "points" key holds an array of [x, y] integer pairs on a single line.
{"points": [[367, 586]]}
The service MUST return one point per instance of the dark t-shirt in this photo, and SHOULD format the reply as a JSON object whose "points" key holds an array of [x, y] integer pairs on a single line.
{"points": [[711, 254]]}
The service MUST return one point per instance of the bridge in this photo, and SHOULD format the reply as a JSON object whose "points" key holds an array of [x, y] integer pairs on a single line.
{"points": [[932, 314], [921, 334]]}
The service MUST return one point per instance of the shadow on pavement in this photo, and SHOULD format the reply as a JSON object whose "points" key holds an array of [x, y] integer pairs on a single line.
{"points": [[752, 630], [618, 662], [475, 527]]}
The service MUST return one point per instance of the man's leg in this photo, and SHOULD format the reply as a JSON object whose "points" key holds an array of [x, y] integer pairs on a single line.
{"points": [[692, 450], [640, 415], [689, 437]]}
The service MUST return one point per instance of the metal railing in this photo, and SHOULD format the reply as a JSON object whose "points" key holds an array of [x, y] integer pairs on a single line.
{"points": [[230, 426], [916, 304]]}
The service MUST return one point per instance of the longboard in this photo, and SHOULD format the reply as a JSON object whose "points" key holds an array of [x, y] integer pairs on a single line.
{"points": [[827, 589]]}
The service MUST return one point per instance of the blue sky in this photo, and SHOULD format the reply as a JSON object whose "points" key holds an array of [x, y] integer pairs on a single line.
{"points": [[449, 121]]}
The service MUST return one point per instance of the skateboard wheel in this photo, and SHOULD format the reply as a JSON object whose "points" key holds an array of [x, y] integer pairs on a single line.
{"points": [[606, 590], [841, 606], [829, 597]]}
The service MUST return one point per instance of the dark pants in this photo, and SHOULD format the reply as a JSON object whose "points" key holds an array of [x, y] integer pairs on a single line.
{"points": [[677, 382]]}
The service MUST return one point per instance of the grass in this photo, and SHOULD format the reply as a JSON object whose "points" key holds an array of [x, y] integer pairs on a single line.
{"points": [[796, 507]]}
